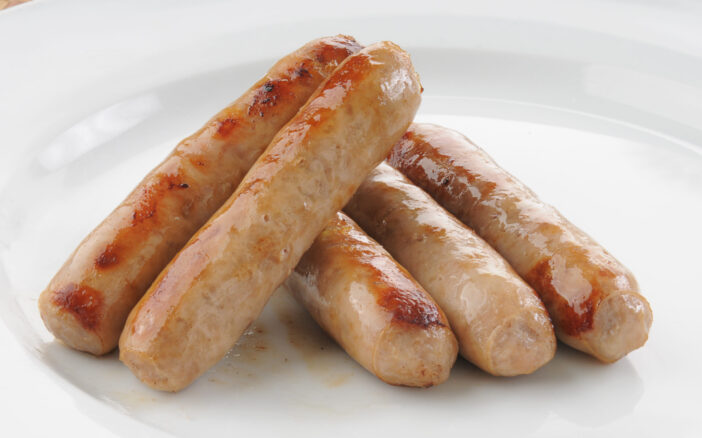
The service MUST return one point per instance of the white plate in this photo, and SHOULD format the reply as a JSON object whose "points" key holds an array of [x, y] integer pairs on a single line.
{"points": [[596, 105]]}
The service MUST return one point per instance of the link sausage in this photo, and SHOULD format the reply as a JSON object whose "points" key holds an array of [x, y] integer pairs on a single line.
{"points": [[373, 308], [219, 282], [88, 300], [593, 299], [501, 325]]}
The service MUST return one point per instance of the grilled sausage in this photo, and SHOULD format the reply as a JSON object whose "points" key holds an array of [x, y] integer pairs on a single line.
{"points": [[88, 300], [501, 325], [373, 308], [593, 299], [219, 282]]}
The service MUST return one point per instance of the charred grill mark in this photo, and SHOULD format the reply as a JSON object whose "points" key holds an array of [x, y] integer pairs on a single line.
{"points": [[301, 72], [274, 91], [268, 95]]}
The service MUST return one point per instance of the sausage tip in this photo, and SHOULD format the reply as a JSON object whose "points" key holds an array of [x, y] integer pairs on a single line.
{"points": [[401, 355], [144, 367], [522, 344], [622, 322]]}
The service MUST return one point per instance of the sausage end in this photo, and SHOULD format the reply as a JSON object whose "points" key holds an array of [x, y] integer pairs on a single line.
{"points": [[407, 355], [147, 371], [621, 325], [522, 344], [69, 329]]}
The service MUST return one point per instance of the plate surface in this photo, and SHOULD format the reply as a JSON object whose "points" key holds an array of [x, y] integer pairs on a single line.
{"points": [[597, 106]]}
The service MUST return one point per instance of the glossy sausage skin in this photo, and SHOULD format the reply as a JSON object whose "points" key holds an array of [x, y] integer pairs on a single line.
{"points": [[218, 284], [501, 325], [593, 299], [373, 308], [88, 300]]}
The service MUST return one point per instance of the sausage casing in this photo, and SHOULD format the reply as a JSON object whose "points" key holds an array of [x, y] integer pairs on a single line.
{"points": [[88, 300], [501, 325], [593, 300], [219, 282], [373, 308]]}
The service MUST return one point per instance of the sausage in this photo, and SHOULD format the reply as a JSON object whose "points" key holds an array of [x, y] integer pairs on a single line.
{"points": [[219, 282], [373, 308], [593, 299], [87, 302], [501, 325]]}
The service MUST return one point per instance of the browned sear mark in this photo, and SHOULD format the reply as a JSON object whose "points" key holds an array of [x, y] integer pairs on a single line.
{"points": [[83, 302], [350, 73], [226, 127], [152, 194], [109, 257], [301, 72], [407, 305], [268, 94], [572, 321], [394, 289], [346, 78], [336, 51], [145, 209]]}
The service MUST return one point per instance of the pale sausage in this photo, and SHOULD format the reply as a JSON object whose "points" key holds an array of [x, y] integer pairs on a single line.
{"points": [[501, 325], [593, 300]]}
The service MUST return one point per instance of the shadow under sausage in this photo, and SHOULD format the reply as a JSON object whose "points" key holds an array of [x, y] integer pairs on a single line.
{"points": [[587, 392], [573, 386], [283, 345]]}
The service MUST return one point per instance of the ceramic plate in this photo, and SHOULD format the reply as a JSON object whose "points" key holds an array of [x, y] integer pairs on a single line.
{"points": [[595, 105]]}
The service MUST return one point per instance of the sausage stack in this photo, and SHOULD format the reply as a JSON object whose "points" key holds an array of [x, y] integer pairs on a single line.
{"points": [[439, 251]]}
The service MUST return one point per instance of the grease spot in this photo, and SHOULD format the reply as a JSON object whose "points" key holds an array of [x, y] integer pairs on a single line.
{"points": [[252, 359], [324, 359]]}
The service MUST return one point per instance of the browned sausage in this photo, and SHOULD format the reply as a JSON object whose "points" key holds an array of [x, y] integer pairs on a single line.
{"points": [[88, 300], [500, 323], [593, 299], [373, 308], [218, 284]]}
